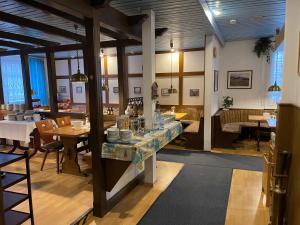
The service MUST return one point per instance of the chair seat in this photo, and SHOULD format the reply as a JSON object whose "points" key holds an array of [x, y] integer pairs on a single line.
{"points": [[232, 127], [193, 127], [56, 145]]}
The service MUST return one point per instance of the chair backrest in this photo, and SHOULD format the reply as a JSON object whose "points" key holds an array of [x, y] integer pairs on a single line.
{"points": [[63, 121], [42, 126]]}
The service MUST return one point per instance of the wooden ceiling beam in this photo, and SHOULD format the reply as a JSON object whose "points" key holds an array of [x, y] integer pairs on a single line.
{"points": [[137, 19], [55, 9], [9, 18], [160, 31], [15, 45], [27, 39], [99, 3], [123, 42]]}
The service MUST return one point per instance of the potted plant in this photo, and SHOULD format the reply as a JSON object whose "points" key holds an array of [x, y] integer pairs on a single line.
{"points": [[264, 46], [227, 102]]}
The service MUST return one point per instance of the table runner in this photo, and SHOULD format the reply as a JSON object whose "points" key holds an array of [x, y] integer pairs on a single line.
{"points": [[16, 130], [145, 147]]}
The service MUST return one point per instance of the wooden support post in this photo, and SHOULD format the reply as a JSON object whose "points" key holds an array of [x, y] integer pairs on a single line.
{"points": [[122, 77], [92, 60], [26, 80], [180, 77], [1, 86], [52, 83]]}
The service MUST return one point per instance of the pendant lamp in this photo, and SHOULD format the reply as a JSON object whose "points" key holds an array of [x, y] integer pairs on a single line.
{"points": [[172, 90], [78, 77], [275, 87]]}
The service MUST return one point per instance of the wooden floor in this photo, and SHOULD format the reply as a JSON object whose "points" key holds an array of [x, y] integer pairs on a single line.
{"points": [[60, 198], [245, 204], [64, 198]]}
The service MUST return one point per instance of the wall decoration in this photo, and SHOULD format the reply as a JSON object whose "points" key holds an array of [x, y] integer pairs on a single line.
{"points": [[239, 79], [165, 92], [115, 90], [216, 80], [215, 52], [194, 92], [137, 90], [299, 57], [78, 90], [62, 89]]}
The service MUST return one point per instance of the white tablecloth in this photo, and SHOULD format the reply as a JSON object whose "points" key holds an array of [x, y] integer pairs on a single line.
{"points": [[16, 130]]}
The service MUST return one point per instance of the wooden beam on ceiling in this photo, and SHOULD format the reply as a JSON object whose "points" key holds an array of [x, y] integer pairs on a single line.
{"points": [[99, 3], [137, 19], [212, 21], [8, 53], [55, 9], [160, 31], [9, 18], [16, 45], [123, 42], [27, 39], [117, 23], [3, 49]]}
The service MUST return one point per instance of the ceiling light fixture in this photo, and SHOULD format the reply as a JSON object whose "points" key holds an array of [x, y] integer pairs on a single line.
{"points": [[217, 12], [172, 46], [233, 21], [78, 77], [275, 87], [101, 52]]}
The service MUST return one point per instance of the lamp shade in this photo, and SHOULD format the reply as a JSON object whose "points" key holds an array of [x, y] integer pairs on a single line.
{"points": [[79, 77], [172, 90], [274, 87]]}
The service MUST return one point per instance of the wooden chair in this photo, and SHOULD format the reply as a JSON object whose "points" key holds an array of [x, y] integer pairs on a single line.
{"points": [[49, 144]]}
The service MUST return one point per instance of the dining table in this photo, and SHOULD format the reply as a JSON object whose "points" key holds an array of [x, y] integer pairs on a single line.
{"points": [[69, 136], [259, 119]]}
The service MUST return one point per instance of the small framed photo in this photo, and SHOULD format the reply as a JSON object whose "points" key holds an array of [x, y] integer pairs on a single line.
{"points": [[137, 90], [239, 79], [165, 92], [194, 92], [216, 80], [78, 90], [115, 90], [62, 89]]}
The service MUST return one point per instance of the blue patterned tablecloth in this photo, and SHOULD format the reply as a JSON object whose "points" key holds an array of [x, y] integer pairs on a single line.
{"points": [[144, 146]]}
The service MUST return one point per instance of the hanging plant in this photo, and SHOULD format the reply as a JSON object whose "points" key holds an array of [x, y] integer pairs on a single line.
{"points": [[264, 46]]}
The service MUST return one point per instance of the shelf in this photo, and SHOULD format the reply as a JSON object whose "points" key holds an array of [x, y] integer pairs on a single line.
{"points": [[7, 158], [13, 217], [12, 178], [12, 199]]}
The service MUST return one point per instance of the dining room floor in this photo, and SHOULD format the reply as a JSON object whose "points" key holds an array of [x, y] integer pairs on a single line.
{"points": [[66, 197]]}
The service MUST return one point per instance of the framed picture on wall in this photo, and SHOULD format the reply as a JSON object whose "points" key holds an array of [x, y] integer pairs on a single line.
{"points": [[62, 89], [239, 79], [78, 90], [165, 92], [115, 90], [194, 92], [216, 80], [137, 90]]}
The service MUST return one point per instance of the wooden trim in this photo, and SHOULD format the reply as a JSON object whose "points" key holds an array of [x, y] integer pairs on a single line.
{"points": [[52, 82], [279, 38], [106, 79], [110, 76], [16, 45], [162, 52], [21, 21], [47, 7], [176, 74], [1, 86], [26, 80], [96, 137], [196, 73], [70, 83], [122, 78], [9, 53], [135, 75], [27, 39], [181, 61]]}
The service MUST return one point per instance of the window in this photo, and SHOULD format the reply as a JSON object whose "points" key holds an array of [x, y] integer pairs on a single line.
{"points": [[38, 81], [12, 80], [276, 73]]}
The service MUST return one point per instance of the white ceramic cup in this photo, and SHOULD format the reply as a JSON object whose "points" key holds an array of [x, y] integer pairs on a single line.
{"points": [[113, 134], [125, 134]]}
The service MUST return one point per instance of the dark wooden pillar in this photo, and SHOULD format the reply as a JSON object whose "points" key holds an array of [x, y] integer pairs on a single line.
{"points": [[1, 86], [52, 83], [180, 77], [26, 80], [122, 77], [93, 70]]}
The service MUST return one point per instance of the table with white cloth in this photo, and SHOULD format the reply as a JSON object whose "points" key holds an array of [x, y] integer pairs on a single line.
{"points": [[17, 131]]}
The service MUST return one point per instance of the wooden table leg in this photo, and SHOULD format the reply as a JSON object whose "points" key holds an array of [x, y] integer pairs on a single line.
{"points": [[70, 164], [17, 145], [150, 170], [258, 135]]}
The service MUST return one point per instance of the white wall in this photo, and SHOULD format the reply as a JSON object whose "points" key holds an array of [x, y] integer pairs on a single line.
{"points": [[239, 55], [211, 97], [291, 78]]}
